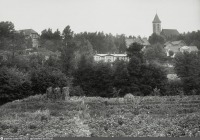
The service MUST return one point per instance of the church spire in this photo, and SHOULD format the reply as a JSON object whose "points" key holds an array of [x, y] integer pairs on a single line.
{"points": [[156, 25], [156, 19]]}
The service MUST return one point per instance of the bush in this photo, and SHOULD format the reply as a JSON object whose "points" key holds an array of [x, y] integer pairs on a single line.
{"points": [[174, 87], [14, 84], [129, 97], [76, 91], [45, 77]]}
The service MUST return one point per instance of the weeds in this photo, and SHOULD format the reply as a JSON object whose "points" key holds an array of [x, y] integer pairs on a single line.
{"points": [[95, 116]]}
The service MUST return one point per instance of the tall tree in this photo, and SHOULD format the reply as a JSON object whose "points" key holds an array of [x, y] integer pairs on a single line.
{"points": [[155, 53], [68, 58], [51, 40], [135, 49], [154, 39], [6, 31], [67, 35], [187, 67]]}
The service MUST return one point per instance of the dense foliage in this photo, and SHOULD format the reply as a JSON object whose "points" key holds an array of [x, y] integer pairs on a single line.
{"points": [[45, 77], [187, 66], [154, 39], [70, 56], [14, 84], [119, 78]]}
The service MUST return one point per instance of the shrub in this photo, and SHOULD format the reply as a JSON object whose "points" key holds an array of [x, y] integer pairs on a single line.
{"points": [[174, 87], [129, 97], [45, 77], [76, 91], [14, 84], [156, 92]]}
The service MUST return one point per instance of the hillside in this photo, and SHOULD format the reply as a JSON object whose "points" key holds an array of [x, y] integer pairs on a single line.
{"points": [[171, 116]]}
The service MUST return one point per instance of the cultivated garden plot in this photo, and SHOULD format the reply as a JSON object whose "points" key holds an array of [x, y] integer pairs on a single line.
{"points": [[154, 116]]}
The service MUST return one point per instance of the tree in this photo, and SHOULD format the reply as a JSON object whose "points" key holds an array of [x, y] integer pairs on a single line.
{"points": [[6, 31], [17, 42], [120, 43], [121, 78], [187, 67], [67, 35], [134, 67], [135, 49], [84, 75], [14, 84], [68, 58], [45, 77], [156, 53], [151, 77], [51, 41], [154, 39]]}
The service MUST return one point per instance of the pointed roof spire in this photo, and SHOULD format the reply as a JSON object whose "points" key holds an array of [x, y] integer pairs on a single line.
{"points": [[156, 19]]}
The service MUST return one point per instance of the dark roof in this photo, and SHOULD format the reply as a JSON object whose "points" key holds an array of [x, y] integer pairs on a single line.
{"points": [[145, 42], [28, 31], [178, 42], [175, 49], [156, 19], [142, 41], [169, 32]]}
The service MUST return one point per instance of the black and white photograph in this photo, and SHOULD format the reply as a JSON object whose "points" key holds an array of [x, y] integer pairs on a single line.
{"points": [[99, 68]]}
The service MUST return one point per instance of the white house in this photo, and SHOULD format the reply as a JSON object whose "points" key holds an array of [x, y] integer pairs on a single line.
{"points": [[110, 57], [188, 49]]}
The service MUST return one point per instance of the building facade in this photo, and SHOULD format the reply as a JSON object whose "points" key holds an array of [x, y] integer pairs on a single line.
{"points": [[33, 35], [110, 57]]}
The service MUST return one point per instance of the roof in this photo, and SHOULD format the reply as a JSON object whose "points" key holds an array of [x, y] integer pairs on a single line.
{"points": [[169, 32], [115, 55], [28, 31], [146, 42], [177, 42], [167, 43], [175, 49], [142, 41], [156, 19], [101, 55]]}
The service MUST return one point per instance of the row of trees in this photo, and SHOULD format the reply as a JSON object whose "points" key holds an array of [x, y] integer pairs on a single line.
{"points": [[97, 41], [21, 76]]}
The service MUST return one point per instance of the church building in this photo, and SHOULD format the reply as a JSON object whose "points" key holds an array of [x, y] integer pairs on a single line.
{"points": [[165, 32]]}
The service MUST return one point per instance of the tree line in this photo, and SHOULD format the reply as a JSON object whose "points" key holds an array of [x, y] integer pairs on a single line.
{"points": [[22, 76]]}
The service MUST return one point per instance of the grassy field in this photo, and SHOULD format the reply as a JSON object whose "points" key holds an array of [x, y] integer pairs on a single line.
{"points": [[169, 116]]}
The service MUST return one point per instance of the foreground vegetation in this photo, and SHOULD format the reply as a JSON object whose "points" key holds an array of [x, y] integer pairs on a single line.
{"points": [[131, 116]]}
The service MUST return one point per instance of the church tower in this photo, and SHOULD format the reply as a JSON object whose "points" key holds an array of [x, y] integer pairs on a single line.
{"points": [[156, 25]]}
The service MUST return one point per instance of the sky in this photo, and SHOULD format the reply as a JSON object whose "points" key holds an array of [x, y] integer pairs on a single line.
{"points": [[129, 17]]}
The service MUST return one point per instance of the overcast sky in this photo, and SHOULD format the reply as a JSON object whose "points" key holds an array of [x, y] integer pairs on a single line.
{"points": [[129, 17]]}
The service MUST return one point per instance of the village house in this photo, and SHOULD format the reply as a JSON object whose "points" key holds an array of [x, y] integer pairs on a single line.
{"points": [[142, 41], [30, 33], [110, 57], [178, 46], [173, 46], [189, 49]]}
